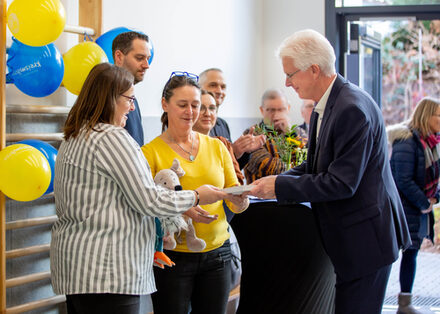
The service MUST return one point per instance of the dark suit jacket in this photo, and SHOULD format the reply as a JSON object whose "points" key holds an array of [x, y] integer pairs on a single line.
{"points": [[221, 128], [134, 124], [347, 179]]}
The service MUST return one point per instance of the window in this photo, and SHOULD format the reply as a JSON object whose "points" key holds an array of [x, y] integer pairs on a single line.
{"points": [[392, 52]]}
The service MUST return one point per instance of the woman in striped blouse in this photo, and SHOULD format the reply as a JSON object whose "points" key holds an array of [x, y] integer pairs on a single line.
{"points": [[103, 242]]}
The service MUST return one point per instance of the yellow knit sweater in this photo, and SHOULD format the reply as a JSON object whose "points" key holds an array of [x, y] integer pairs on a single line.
{"points": [[212, 165]]}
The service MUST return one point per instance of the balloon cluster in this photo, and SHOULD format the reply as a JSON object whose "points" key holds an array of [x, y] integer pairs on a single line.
{"points": [[37, 69], [35, 65], [27, 170]]}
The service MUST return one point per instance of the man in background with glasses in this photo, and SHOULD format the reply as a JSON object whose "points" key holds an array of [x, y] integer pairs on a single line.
{"points": [[131, 50], [213, 81], [266, 161]]}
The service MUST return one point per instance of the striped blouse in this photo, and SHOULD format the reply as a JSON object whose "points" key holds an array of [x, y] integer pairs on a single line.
{"points": [[105, 200]]}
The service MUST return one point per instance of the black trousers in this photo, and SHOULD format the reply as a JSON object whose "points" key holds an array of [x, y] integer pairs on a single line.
{"points": [[105, 303], [364, 295], [200, 281]]}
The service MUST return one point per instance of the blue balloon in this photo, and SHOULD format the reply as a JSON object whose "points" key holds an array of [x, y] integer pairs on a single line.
{"points": [[151, 51], [36, 71], [105, 41], [49, 152]]}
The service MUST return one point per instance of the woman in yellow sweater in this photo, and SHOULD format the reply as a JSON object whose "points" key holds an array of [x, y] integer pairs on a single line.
{"points": [[200, 280]]}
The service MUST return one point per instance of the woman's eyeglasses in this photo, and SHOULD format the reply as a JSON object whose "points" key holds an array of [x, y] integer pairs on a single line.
{"points": [[211, 109], [131, 99], [187, 74]]}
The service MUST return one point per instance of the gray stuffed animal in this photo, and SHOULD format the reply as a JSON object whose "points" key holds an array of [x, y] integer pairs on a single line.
{"points": [[169, 179]]}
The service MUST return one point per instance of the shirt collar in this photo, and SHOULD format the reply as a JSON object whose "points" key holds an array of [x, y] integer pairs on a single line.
{"points": [[320, 107]]}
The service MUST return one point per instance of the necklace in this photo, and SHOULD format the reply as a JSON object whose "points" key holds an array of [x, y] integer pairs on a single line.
{"points": [[191, 156]]}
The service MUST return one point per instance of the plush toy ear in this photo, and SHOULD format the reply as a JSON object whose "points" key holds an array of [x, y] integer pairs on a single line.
{"points": [[177, 169]]}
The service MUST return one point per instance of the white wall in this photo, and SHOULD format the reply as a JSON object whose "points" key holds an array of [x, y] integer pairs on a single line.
{"points": [[281, 19], [192, 36], [238, 36]]}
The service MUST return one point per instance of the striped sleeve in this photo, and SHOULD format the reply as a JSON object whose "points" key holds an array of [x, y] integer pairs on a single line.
{"points": [[119, 159]]}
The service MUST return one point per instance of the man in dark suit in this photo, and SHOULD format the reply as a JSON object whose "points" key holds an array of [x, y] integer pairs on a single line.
{"points": [[347, 177]]}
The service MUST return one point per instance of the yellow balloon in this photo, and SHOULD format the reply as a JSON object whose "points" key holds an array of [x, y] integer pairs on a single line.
{"points": [[78, 62], [25, 172], [36, 22]]}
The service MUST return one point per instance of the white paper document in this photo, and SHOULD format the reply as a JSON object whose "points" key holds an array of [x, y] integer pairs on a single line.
{"points": [[237, 190]]}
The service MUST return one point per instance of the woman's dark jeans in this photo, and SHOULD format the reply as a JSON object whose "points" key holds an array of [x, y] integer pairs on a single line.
{"points": [[199, 282], [408, 270]]}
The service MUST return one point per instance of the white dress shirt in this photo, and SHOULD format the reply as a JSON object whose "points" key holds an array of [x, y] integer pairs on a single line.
{"points": [[320, 107]]}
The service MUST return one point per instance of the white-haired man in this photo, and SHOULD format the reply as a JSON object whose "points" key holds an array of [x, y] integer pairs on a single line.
{"points": [[347, 177]]}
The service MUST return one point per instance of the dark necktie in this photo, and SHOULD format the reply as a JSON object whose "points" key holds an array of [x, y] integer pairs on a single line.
{"points": [[312, 140]]}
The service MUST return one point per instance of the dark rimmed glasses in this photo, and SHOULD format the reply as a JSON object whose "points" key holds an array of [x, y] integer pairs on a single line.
{"points": [[187, 74], [210, 109], [289, 76], [131, 99]]}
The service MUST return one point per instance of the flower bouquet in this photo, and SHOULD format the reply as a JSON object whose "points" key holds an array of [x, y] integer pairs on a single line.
{"points": [[289, 145]]}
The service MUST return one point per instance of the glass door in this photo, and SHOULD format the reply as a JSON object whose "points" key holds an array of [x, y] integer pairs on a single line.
{"points": [[396, 60], [363, 64]]}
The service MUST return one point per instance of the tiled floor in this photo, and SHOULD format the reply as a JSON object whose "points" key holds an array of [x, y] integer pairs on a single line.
{"points": [[426, 290]]}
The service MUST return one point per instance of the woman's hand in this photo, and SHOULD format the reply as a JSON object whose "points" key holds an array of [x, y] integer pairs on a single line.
{"points": [[209, 194], [198, 214], [240, 202]]}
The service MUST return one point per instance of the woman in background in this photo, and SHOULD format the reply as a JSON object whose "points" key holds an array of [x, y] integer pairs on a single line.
{"points": [[415, 167], [206, 121], [200, 280], [103, 241]]}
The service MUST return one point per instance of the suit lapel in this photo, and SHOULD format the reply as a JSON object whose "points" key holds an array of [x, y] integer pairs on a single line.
{"points": [[337, 86]]}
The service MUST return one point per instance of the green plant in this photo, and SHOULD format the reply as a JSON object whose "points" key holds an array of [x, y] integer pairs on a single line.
{"points": [[289, 145]]}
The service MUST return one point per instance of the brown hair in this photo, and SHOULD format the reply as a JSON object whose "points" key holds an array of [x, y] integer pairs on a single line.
{"points": [[424, 110], [97, 98], [123, 41], [205, 92], [173, 83]]}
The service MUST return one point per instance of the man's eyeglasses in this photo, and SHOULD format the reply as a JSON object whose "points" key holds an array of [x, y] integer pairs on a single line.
{"points": [[289, 76], [211, 109], [131, 99], [187, 74]]}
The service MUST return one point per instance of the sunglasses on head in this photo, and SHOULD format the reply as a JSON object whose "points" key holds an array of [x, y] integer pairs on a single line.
{"points": [[187, 74]]}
